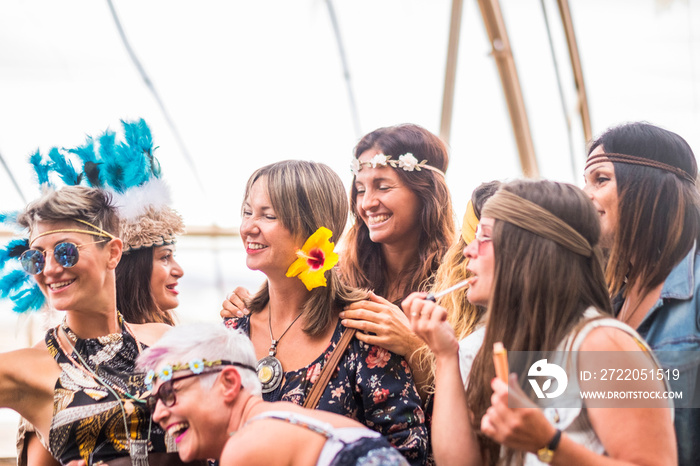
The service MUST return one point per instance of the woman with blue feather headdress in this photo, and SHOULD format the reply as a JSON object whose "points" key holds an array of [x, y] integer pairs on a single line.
{"points": [[82, 395]]}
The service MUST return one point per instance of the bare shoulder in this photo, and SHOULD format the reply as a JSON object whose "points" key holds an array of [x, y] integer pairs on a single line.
{"points": [[609, 339], [148, 334], [242, 449]]}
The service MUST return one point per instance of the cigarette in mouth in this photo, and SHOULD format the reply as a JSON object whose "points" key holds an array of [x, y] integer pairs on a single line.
{"points": [[435, 296]]}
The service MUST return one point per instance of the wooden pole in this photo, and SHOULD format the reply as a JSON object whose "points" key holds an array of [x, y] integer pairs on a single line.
{"points": [[451, 71], [496, 30], [576, 67]]}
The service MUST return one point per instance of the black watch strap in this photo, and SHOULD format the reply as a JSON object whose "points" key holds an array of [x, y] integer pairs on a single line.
{"points": [[554, 443]]}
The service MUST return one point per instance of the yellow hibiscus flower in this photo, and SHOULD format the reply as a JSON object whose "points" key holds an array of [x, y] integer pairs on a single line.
{"points": [[314, 258]]}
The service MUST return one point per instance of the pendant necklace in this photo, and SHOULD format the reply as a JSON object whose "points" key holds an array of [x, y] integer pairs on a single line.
{"points": [[270, 368]]}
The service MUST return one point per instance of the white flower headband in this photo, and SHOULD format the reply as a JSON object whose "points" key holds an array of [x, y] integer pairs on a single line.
{"points": [[406, 161]]}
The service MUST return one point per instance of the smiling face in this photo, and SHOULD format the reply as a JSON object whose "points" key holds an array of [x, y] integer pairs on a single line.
{"points": [[482, 264], [387, 206], [270, 247], [83, 286], [164, 278], [601, 187], [197, 420]]}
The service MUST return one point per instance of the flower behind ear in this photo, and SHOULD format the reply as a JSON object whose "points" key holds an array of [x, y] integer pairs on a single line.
{"points": [[314, 258]]}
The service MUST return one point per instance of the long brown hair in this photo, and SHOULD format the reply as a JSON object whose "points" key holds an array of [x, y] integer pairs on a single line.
{"points": [[540, 288], [658, 212], [306, 196], [363, 264], [134, 298]]}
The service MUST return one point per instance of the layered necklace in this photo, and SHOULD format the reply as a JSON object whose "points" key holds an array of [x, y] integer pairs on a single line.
{"points": [[138, 448], [269, 368]]}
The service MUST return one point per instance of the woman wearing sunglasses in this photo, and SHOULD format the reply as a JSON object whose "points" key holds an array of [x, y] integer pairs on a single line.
{"points": [[80, 391], [537, 267], [291, 211], [207, 395]]}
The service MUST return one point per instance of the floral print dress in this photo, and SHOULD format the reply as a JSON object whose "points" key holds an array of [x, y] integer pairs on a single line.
{"points": [[370, 384]]}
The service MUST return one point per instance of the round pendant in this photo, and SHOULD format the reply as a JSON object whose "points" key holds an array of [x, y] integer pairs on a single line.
{"points": [[270, 373]]}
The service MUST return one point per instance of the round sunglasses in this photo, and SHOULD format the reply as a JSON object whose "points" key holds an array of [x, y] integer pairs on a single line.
{"points": [[65, 254]]}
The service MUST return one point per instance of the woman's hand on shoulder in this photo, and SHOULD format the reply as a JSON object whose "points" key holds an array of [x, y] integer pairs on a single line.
{"points": [[235, 303], [381, 323], [429, 322]]}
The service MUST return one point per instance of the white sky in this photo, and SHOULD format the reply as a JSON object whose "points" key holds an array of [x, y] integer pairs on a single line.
{"points": [[252, 82]]}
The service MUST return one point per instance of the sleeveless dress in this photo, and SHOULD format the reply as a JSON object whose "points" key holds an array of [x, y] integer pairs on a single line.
{"points": [[89, 421], [345, 446]]}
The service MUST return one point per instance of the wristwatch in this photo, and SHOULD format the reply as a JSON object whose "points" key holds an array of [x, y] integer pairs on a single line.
{"points": [[546, 454]]}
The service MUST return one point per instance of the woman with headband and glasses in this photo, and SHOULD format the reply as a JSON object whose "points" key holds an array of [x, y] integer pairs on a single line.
{"points": [[81, 392], [290, 212], [537, 267], [641, 179], [206, 393]]}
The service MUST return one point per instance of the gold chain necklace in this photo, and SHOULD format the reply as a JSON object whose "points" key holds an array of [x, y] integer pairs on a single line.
{"points": [[269, 368]]}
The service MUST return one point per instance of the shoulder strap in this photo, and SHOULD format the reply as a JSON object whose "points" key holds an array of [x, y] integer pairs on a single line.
{"points": [[317, 390]]}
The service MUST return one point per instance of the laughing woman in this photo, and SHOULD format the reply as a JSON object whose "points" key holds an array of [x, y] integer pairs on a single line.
{"points": [[80, 391], [290, 212]]}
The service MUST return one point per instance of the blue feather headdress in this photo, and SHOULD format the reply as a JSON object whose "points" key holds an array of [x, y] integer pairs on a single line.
{"points": [[126, 168]]}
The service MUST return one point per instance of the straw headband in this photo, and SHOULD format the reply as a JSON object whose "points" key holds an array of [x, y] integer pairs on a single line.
{"points": [[406, 161], [529, 216], [99, 232], [634, 160]]}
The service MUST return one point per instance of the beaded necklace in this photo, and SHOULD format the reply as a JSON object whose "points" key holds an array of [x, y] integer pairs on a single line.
{"points": [[138, 448]]}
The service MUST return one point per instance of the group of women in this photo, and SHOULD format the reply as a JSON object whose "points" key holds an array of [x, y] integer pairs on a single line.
{"points": [[550, 267]]}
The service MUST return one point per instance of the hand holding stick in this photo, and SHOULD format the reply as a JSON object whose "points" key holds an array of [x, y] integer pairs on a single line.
{"points": [[500, 361]]}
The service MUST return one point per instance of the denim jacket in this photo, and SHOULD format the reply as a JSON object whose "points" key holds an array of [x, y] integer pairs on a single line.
{"points": [[672, 329]]}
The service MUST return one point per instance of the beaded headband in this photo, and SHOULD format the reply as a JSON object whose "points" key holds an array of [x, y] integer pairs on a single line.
{"points": [[407, 162], [529, 216], [634, 160], [197, 366]]}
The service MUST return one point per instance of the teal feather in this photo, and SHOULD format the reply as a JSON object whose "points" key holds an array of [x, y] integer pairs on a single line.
{"points": [[28, 299], [12, 281], [41, 169], [13, 250], [63, 167]]}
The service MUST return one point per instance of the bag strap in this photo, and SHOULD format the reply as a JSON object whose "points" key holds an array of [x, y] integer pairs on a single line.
{"points": [[320, 386]]}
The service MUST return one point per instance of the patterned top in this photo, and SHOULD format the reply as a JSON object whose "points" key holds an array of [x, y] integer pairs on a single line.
{"points": [[370, 384], [345, 446], [88, 421]]}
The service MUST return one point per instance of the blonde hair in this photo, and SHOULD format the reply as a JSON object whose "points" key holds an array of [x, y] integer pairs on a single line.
{"points": [[306, 196], [72, 203]]}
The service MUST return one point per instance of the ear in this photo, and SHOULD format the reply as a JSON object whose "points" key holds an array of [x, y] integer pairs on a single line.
{"points": [[114, 247], [230, 381]]}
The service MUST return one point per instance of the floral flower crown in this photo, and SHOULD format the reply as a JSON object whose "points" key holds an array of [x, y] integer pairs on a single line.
{"points": [[314, 258], [406, 161], [196, 366]]}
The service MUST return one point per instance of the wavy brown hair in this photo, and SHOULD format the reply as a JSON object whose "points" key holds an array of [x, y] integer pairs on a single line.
{"points": [[540, 289], [658, 212], [306, 196], [363, 264]]}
